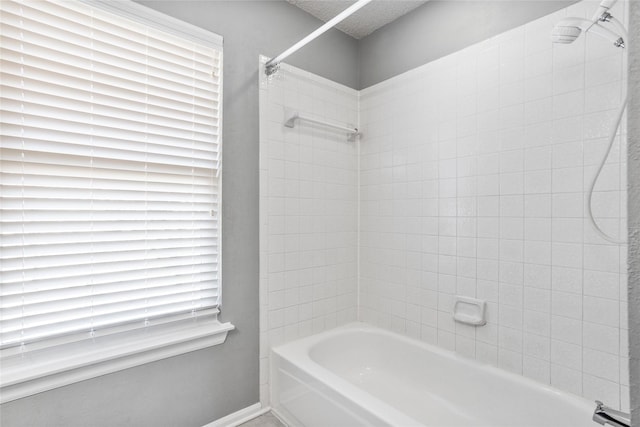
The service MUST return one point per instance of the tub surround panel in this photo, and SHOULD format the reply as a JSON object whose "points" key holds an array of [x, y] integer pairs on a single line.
{"points": [[308, 210], [473, 177]]}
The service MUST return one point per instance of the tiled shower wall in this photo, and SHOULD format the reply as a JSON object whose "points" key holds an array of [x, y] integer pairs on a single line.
{"points": [[308, 211], [473, 176], [473, 173]]}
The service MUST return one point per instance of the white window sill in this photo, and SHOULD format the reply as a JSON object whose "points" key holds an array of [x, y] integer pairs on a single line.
{"points": [[33, 372]]}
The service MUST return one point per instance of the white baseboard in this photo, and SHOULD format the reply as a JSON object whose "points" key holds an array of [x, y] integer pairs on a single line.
{"points": [[239, 417]]}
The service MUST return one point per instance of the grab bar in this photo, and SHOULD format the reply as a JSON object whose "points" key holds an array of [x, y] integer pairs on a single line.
{"points": [[606, 415], [351, 132]]}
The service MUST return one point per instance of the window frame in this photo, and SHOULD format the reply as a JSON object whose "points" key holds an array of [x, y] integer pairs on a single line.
{"points": [[71, 360]]}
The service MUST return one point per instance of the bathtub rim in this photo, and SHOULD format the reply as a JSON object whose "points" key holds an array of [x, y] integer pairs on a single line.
{"points": [[298, 354]]}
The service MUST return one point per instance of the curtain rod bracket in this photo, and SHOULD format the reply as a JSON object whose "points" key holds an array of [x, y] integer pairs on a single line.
{"points": [[271, 69]]}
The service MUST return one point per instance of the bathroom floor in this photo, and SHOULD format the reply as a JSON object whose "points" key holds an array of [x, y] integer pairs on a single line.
{"points": [[266, 420]]}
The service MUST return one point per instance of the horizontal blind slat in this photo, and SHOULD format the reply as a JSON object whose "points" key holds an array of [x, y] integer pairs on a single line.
{"points": [[47, 80], [42, 164], [34, 125], [31, 313], [88, 193], [65, 182], [108, 279], [35, 294], [198, 115], [104, 268], [30, 264], [106, 115], [50, 84], [35, 167]]}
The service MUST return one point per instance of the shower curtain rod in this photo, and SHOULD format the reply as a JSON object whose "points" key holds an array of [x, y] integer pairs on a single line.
{"points": [[272, 64]]}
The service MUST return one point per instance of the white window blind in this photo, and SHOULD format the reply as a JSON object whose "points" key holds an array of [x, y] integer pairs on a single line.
{"points": [[110, 161]]}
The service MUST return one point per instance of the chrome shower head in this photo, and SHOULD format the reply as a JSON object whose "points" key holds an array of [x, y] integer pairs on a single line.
{"points": [[565, 32]]}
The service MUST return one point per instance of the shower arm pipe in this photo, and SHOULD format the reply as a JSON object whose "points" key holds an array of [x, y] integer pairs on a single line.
{"points": [[619, 27], [272, 64], [608, 18]]}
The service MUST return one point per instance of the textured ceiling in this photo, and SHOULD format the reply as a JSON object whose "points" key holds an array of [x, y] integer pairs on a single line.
{"points": [[366, 20]]}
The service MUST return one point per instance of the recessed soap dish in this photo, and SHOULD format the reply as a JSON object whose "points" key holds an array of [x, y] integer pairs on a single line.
{"points": [[470, 311]]}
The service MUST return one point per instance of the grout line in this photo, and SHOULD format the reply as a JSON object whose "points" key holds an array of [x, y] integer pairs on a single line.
{"points": [[359, 213], [552, 121], [584, 167], [475, 213], [524, 193]]}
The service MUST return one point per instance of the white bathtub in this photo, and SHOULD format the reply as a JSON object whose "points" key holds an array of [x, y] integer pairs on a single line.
{"points": [[358, 375]]}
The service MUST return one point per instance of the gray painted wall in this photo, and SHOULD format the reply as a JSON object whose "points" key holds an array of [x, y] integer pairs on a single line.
{"points": [[196, 388], [633, 165], [439, 28]]}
